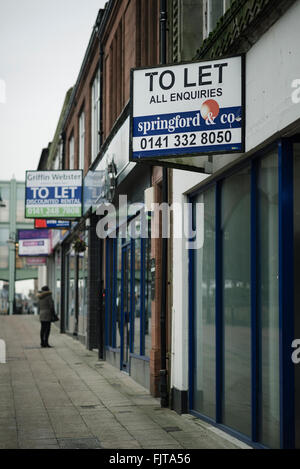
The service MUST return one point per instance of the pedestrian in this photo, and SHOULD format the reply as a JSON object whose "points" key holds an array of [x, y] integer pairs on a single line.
{"points": [[46, 309]]}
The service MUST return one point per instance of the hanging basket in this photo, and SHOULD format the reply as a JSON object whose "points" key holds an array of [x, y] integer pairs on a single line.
{"points": [[79, 245]]}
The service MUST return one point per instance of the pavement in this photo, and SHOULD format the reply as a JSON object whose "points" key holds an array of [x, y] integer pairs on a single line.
{"points": [[65, 397]]}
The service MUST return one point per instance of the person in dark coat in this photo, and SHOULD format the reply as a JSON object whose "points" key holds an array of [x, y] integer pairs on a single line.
{"points": [[46, 308]]}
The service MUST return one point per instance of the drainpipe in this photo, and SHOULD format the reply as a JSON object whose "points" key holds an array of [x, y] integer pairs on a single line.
{"points": [[164, 398]]}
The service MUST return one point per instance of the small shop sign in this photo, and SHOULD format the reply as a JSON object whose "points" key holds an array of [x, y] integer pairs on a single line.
{"points": [[34, 243]]}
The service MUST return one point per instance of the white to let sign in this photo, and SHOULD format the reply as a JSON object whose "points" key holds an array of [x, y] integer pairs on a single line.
{"points": [[187, 109], [53, 194]]}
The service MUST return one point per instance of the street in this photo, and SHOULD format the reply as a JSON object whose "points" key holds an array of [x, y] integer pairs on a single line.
{"points": [[65, 397]]}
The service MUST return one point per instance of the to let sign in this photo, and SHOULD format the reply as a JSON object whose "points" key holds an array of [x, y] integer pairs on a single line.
{"points": [[53, 194], [187, 109]]}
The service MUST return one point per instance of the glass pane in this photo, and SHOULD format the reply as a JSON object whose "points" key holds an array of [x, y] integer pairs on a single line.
{"points": [[82, 288], [58, 280], [126, 304], [297, 282], [137, 298], [109, 292], [215, 11], [147, 319], [118, 293], [66, 289], [236, 301], [204, 309], [71, 294], [268, 299], [95, 111]]}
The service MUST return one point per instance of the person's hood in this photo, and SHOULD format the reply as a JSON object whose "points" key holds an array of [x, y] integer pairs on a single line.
{"points": [[43, 294]]}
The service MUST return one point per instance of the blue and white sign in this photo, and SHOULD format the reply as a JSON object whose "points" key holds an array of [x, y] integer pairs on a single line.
{"points": [[187, 109], [53, 194]]}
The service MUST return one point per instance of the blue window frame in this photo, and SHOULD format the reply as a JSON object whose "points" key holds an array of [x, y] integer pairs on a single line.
{"points": [[128, 298], [271, 307]]}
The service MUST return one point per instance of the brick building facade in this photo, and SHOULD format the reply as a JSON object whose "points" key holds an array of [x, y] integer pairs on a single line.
{"points": [[125, 35]]}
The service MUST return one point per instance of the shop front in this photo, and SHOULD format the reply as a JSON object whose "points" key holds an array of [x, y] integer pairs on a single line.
{"points": [[242, 319], [75, 286], [125, 261], [128, 305]]}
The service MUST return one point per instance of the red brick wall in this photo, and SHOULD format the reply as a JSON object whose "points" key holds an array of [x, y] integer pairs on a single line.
{"points": [[130, 40], [82, 102]]}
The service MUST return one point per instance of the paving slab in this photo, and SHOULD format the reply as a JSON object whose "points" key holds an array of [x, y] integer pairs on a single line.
{"points": [[65, 398]]}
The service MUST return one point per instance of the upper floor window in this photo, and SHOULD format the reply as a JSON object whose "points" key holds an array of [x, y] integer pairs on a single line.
{"points": [[81, 140], [95, 110], [71, 153], [57, 159], [213, 10]]}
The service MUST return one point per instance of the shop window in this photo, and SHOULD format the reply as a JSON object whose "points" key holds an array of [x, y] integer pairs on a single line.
{"points": [[268, 299], [118, 293], [70, 297], [57, 280], [245, 305], [109, 292], [137, 297], [95, 111], [81, 139], [128, 296], [236, 301], [204, 305], [148, 298], [213, 11]]}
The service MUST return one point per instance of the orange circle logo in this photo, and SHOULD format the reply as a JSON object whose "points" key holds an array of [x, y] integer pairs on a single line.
{"points": [[210, 109]]}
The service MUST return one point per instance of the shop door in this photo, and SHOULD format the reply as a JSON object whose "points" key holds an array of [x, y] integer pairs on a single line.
{"points": [[125, 307]]}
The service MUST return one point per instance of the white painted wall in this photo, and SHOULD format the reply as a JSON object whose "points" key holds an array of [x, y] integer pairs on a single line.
{"points": [[272, 64], [182, 182]]}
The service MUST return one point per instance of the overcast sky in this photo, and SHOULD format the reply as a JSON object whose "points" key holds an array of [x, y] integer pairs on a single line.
{"points": [[42, 45]]}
